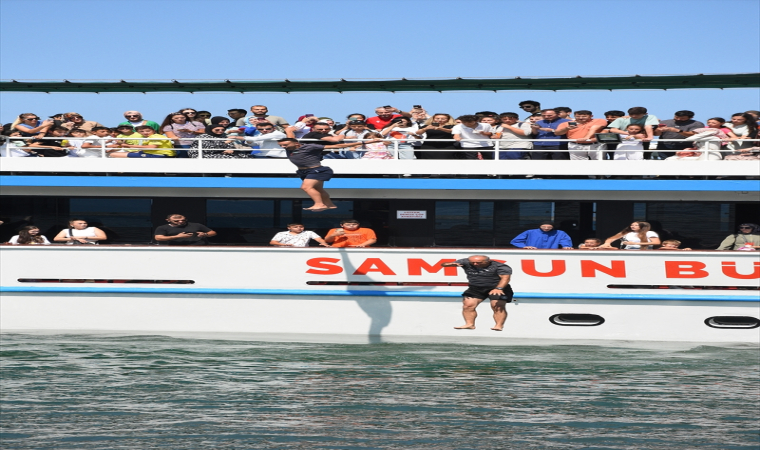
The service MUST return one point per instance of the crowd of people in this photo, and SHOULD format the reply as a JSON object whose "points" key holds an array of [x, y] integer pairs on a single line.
{"points": [[541, 133], [179, 231]]}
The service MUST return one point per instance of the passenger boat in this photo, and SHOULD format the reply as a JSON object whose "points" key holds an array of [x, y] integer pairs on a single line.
{"points": [[397, 290]]}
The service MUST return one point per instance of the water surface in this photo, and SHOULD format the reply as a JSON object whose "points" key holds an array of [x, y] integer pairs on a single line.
{"points": [[139, 392]]}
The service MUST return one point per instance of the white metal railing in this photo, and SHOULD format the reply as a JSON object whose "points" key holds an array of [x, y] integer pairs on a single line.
{"points": [[601, 166], [496, 144]]}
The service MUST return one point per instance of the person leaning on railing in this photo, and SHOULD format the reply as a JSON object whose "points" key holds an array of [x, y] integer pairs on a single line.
{"points": [[743, 130], [437, 128], [158, 145], [15, 145], [216, 145], [709, 139], [180, 129], [51, 148]]}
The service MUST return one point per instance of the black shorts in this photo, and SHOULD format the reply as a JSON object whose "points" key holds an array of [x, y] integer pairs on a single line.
{"points": [[482, 293], [321, 173]]}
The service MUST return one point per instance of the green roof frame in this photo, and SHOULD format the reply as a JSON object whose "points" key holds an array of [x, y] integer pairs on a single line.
{"points": [[701, 81]]}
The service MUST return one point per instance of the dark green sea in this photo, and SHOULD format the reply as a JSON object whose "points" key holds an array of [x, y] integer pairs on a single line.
{"points": [[155, 392]]}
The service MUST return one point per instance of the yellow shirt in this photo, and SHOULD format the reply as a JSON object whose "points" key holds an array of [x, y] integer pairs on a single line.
{"points": [[164, 143], [132, 141]]}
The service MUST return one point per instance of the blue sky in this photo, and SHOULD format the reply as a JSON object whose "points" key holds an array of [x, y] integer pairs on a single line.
{"points": [[331, 39]]}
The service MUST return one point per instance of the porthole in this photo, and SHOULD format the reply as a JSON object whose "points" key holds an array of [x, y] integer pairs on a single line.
{"points": [[735, 322], [576, 320]]}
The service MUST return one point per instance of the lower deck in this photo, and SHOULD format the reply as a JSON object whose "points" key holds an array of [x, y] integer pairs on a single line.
{"points": [[403, 212]]}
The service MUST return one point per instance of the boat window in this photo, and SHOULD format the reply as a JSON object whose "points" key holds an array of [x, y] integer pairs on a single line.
{"points": [[576, 320], [376, 283], [102, 280], [690, 287], [744, 322]]}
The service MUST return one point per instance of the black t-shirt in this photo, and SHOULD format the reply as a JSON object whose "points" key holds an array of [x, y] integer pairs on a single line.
{"points": [[307, 155], [438, 134], [168, 230], [485, 277], [316, 135], [50, 152]]}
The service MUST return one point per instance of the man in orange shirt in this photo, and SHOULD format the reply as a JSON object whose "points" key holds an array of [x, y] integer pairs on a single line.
{"points": [[350, 235], [583, 130]]}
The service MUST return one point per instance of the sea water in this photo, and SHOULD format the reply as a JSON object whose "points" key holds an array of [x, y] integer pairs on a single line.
{"points": [[148, 392]]}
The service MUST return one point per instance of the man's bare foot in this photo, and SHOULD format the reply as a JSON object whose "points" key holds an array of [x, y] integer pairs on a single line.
{"points": [[313, 209], [497, 329], [465, 327]]}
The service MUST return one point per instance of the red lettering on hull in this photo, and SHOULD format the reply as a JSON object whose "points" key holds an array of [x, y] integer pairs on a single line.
{"points": [[529, 267], [729, 270], [589, 269], [323, 266], [374, 265], [416, 266], [685, 269]]}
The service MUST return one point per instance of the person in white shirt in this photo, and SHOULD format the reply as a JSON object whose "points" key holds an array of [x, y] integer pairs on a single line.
{"points": [[296, 237], [472, 137], [634, 236], [74, 141], [14, 147], [79, 233], [632, 147], [512, 136], [93, 145], [403, 131], [29, 235], [267, 141], [302, 127]]}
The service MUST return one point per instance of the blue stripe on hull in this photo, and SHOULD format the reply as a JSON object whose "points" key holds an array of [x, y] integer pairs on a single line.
{"points": [[360, 293], [385, 183]]}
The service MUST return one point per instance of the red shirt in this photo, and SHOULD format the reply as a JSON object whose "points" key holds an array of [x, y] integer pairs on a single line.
{"points": [[379, 123]]}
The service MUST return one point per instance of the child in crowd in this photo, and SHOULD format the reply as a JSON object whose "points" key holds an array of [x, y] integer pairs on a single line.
{"points": [[671, 244], [123, 132], [375, 149], [76, 138], [296, 237], [92, 147], [591, 243], [161, 147], [14, 147], [29, 235], [51, 148], [632, 147]]}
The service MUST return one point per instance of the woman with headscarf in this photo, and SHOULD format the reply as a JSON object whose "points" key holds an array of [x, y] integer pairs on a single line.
{"points": [[747, 238], [216, 144], [709, 139]]}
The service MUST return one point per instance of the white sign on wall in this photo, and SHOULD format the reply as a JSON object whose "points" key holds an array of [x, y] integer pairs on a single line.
{"points": [[411, 214]]}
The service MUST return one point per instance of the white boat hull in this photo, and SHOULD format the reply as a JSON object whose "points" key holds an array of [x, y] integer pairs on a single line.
{"points": [[265, 291]]}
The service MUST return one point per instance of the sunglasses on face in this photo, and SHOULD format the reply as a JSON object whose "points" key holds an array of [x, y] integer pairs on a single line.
{"points": [[131, 115], [32, 118]]}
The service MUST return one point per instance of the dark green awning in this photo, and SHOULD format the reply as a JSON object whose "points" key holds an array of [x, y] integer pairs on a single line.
{"points": [[718, 81]]}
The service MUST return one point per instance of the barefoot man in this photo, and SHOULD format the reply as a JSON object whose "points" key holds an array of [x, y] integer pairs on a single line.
{"points": [[487, 279], [308, 159]]}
